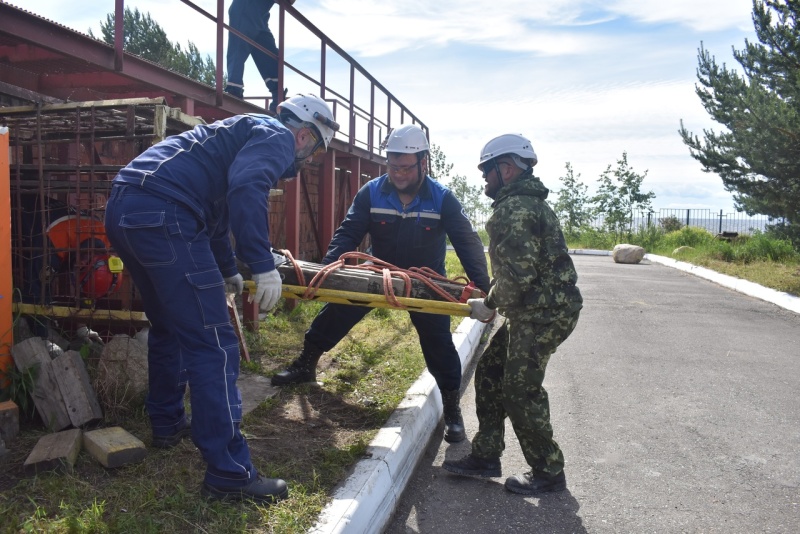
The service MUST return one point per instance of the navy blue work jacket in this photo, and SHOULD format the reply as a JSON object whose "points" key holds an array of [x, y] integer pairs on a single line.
{"points": [[222, 172]]}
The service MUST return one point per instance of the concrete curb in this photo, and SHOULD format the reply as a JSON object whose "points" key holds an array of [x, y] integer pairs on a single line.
{"points": [[784, 300], [365, 501], [779, 298]]}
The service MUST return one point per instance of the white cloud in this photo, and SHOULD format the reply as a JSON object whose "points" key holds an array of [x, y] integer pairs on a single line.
{"points": [[585, 79], [704, 15]]}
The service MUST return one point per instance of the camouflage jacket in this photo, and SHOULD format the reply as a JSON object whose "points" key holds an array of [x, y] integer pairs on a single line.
{"points": [[532, 272]]}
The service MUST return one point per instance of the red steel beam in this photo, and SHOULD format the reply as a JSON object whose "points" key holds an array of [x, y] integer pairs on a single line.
{"points": [[326, 200], [96, 55]]}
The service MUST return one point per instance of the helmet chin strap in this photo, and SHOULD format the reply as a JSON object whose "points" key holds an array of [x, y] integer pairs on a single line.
{"points": [[499, 174]]}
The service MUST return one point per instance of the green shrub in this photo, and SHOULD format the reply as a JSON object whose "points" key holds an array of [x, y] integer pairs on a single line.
{"points": [[687, 236], [721, 250], [594, 239], [670, 224], [649, 238], [759, 246]]}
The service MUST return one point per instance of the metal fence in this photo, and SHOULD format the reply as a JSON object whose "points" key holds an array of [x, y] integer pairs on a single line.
{"points": [[716, 223], [713, 221]]}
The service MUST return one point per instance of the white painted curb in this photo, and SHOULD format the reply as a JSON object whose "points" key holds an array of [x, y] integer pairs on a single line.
{"points": [[779, 298], [784, 300], [365, 501]]}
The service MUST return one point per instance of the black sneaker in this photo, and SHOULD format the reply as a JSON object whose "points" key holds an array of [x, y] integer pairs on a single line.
{"points": [[168, 442], [474, 466], [262, 490], [531, 484]]}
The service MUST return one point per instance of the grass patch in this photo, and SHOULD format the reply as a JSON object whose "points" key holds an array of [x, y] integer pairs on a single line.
{"points": [[309, 435]]}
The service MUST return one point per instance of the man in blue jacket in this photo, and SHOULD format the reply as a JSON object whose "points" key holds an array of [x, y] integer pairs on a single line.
{"points": [[169, 216], [408, 216], [251, 18]]}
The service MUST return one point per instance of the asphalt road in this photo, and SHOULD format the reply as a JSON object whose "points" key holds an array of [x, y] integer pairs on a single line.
{"points": [[677, 404]]}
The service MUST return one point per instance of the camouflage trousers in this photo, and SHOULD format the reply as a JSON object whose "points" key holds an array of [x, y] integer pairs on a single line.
{"points": [[508, 383]]}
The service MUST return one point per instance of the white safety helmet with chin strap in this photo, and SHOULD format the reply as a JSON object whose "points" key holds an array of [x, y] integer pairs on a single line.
{"points": [[313, 110], [512, 145], [407, 139]]}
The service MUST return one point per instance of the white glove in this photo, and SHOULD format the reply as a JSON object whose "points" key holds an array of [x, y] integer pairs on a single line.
{"points": [[234, 284], [268, 290], [480, 311]]}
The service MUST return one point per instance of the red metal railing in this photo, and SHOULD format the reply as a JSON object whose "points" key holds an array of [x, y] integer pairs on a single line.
{"points": [[362, 125]]}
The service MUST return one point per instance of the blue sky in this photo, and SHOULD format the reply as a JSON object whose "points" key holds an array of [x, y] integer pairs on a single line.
{"points": [[585, 80]]}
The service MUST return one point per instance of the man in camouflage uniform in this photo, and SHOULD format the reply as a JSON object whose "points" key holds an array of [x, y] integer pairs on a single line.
{"points": [[533, 287]]}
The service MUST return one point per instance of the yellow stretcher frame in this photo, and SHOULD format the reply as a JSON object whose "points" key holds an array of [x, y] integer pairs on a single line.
{"points": [[336, 296]]}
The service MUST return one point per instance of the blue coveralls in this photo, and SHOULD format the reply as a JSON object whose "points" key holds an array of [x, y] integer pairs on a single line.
{"points": [[168, 217], [251, 18], [414, 236]]}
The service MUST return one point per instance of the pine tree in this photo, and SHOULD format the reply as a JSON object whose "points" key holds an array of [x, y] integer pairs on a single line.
{"points": [[145, 38], [757, 155]]}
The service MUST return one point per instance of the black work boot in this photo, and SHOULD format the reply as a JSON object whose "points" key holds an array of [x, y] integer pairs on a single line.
{"points": [[474, 466], [303, 369], [276, 98], [261, 490], [453, 423], [531, 484], [233, 90]]}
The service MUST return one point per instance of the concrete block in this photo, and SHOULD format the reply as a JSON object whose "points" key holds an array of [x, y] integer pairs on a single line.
{"points": [[76, 389], [114, 446], [32, 353], [9, 420], [55, 452]]}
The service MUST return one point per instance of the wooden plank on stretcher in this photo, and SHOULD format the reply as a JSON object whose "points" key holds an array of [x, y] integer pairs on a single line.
{"points": [[365, 281]]}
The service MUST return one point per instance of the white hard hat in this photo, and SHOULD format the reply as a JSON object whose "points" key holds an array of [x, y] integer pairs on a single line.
{"points": [[312, 109], [407, 139], [508, 144]]}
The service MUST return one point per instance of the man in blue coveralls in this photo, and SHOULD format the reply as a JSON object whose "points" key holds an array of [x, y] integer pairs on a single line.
{"points": [[169, 216], [251, 18], [408, 215]]}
